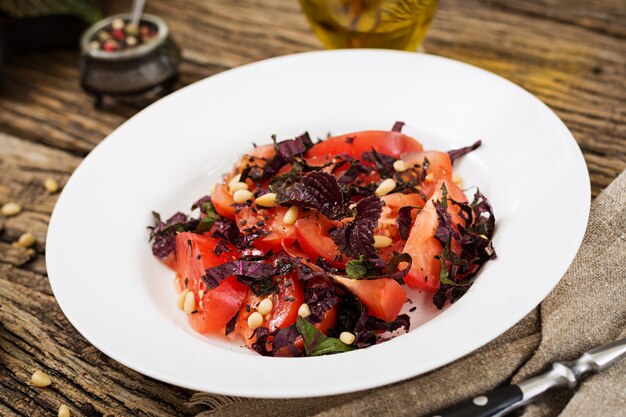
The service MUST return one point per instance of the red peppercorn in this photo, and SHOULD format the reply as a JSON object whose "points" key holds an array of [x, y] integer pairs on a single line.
{"points": [[109, 46], [118, 34]]}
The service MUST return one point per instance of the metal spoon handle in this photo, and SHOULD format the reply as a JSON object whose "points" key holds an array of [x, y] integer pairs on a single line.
{"points": [[137, 11]]}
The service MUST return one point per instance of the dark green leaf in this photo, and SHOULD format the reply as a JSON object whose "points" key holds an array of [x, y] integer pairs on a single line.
{"points": [[316, 343]]}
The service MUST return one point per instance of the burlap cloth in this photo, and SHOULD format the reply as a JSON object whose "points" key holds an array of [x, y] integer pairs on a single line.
{"points": [[586, 309]]}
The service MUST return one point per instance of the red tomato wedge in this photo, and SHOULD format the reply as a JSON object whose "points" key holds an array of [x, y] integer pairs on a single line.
{"points": [[315, 242], [354, 144], [223, 201], [383, 297], [422, 244], [269, 220], [214, 308], [285, 312]]}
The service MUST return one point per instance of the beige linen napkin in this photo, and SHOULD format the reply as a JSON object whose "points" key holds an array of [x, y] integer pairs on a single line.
{"points": [[587, 308]]}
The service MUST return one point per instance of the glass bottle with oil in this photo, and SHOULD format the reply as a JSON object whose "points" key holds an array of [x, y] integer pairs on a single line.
{"points": [[391, 24]]}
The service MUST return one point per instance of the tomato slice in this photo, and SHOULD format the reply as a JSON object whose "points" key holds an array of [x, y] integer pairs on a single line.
{"points": [[315, 242], [223, 201], [383, 297], [269, 220], [439, 168], [387, 223], [285, 312], [214, 308], [422, 244], [354, 144]]}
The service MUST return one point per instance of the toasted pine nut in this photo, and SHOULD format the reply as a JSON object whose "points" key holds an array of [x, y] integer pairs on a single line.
{"points": [[11, 209], [265, 306], [385, 187], [51, 185], [266, 200], [180, 299], [241, 196], [347, 338], [458, 180], [304, 310], [26, 240], [190, 303], [255, 320], [381, 241], [237, 186], [39, 379], [291, 215], [236, 178], [64, 411], [400, 166]]}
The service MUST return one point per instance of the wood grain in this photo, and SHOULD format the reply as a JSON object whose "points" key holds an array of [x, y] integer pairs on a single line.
{"points": [[571, 54]]}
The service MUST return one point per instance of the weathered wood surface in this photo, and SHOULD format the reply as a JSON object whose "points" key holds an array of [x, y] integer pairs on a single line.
{"points": [[571, 54]]}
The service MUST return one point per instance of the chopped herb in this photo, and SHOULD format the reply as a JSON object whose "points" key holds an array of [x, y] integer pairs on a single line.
{"points": [[457, 153], [316, 343], [397, 127]]}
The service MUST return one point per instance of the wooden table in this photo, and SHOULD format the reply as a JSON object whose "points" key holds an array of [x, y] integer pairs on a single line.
{"points": [[570, 53]]}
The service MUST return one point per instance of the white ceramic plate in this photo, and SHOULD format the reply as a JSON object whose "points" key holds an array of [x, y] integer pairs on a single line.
{"points": [[122, 300]]}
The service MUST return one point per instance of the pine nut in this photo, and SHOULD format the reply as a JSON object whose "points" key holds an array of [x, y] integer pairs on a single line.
{"points": [[400, 166], [39, 379], [265, 306], [381, 241], [64, 411], [236, 178], [255, 320], [237, 186], [266, 200], [304, 310], [51, 185], [385, 187], [458, 180], [11, 209], [429, 177], [241, 196], [180, 299], [291, 215], [117, 24], [26, 240], [190, 303], [347, 338]]}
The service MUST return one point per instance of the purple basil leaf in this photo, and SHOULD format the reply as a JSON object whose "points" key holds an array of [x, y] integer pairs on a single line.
{"points": [[356, 238], [221, 247], [350, 175], [404, 221], [397, 127], [377, 268], [163, 235], [318, 190], [285, 152], [247, 269], [260, 344], [286, 338], [320, 297], [383, 163], [200, 202], [457, 153]]}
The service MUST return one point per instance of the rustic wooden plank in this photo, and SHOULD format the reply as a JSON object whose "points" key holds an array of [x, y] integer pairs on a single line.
{"points": [[602, 16], [36, 336]]}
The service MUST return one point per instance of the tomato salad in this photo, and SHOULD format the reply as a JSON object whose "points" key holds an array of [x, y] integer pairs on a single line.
{"points": [[307, 248]]}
